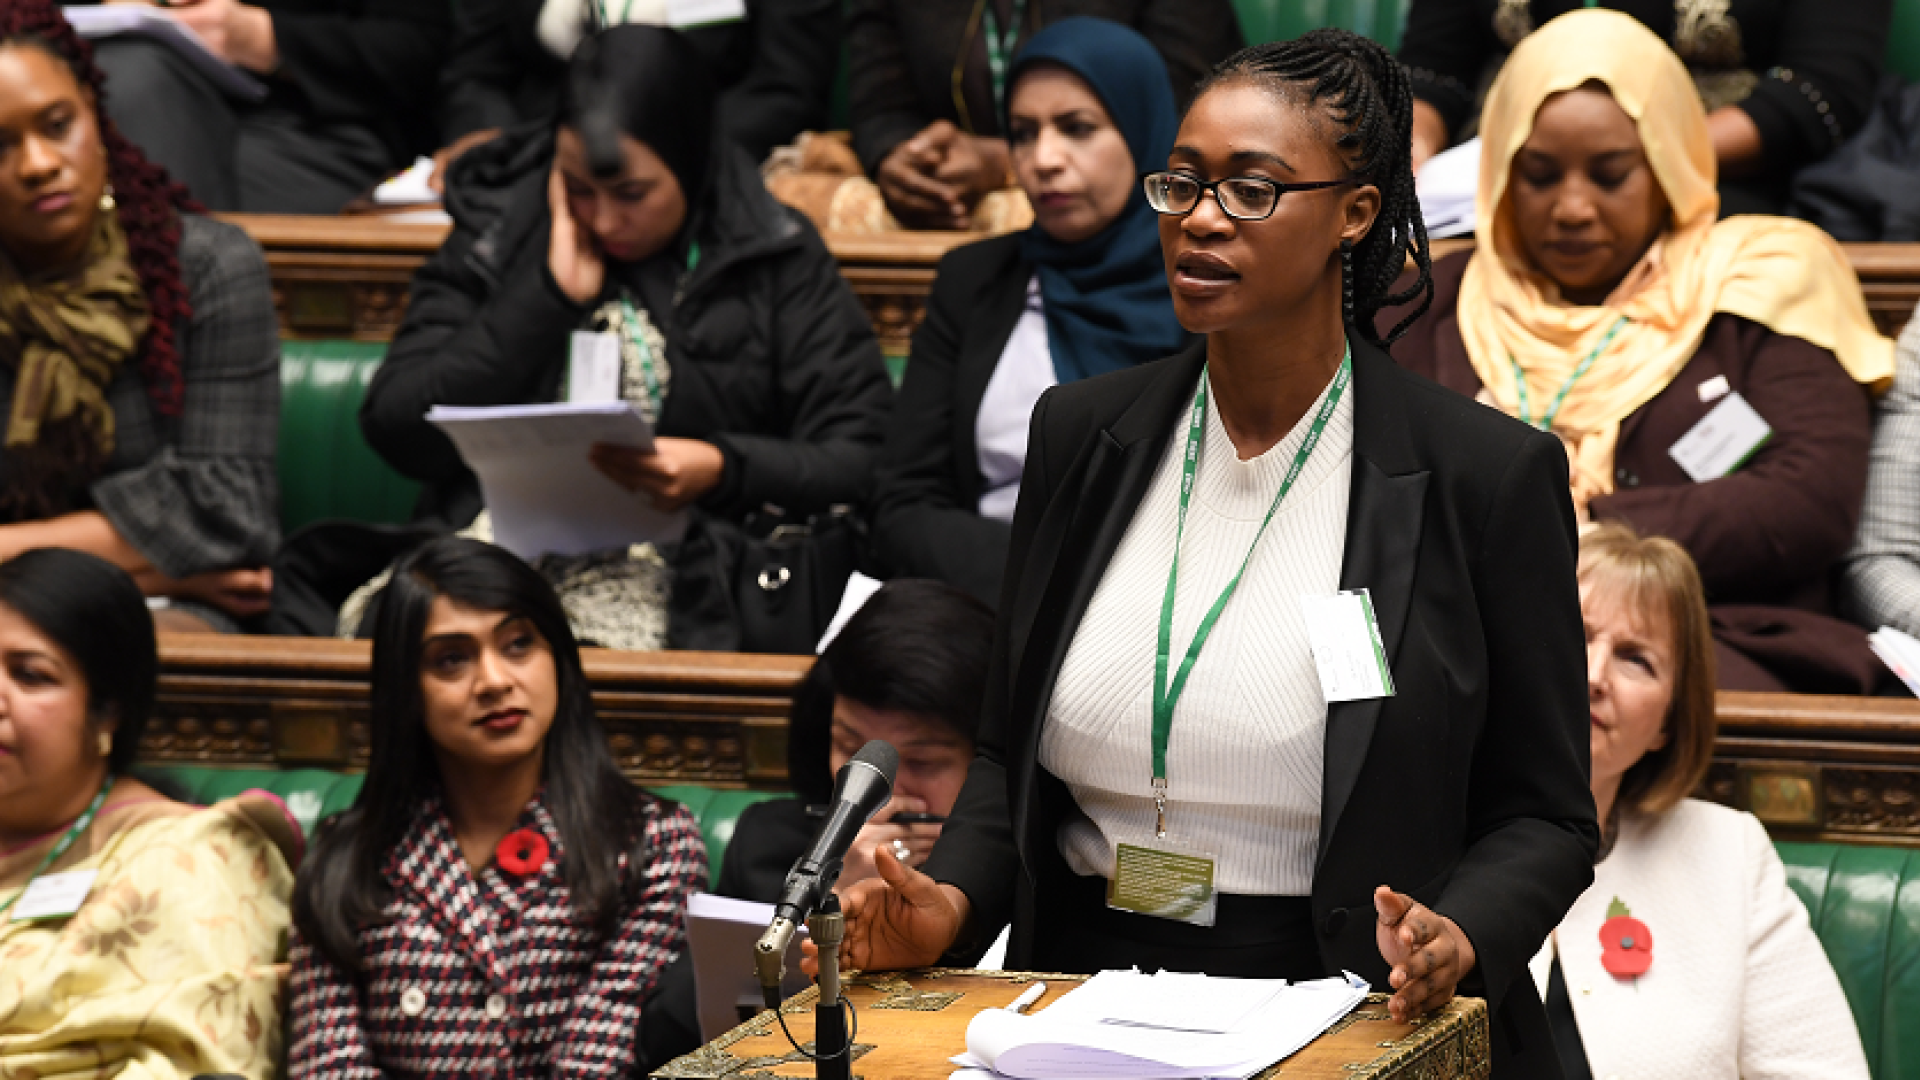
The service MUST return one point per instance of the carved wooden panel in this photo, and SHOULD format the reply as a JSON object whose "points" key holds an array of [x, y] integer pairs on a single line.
{"points": [[705, 718], [1821, 768]]}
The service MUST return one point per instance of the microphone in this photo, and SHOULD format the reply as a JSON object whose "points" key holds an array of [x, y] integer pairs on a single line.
{"points": [[862, 788]]}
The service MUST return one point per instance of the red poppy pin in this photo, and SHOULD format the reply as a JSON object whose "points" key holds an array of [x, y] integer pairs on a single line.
{"points": [[1626, 945], [521, 852]]}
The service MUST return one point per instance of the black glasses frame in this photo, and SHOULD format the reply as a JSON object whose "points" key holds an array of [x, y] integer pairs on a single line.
{"points": [[1213, 187]]}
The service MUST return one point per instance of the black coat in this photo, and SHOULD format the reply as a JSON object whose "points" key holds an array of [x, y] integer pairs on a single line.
{"points": [[902, 55], [369, 63], [774, 70], [772, 358], [1467, 790], [926, 520]]}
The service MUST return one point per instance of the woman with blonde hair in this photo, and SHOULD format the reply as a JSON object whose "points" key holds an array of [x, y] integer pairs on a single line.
{"points": [[1709, 378], [1689, 956]]}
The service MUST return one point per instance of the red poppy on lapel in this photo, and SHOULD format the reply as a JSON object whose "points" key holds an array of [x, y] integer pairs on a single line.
{"points": [[521, 852], [1626, 945]]}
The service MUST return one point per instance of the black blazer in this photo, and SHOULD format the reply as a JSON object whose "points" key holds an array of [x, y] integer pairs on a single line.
{"points": [[926, 520], [1467, 789]]}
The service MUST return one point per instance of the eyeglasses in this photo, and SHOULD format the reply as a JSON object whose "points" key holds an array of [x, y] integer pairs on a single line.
{"points": [[1243, 198]]}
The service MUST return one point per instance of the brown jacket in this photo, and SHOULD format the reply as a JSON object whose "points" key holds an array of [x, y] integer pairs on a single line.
{"points": [[1766, 538]]}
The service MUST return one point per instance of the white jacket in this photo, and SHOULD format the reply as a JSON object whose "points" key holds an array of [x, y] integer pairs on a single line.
{"points": [[1739, 987]]}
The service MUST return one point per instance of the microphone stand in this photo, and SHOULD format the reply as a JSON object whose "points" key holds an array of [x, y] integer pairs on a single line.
{"points": [[832, 1053]]}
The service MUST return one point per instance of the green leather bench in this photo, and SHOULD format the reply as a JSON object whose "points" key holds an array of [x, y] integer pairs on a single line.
{"points": [[1864, 901], [312, 794], [327, 471]]}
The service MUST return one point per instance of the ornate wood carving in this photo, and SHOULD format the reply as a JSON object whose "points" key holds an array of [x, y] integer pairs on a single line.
{"points": [[705, 718], [1832, 768]]}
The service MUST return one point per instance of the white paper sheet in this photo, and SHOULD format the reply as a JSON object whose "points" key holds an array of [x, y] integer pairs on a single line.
{"points": [[1077, 1036], [860, 589], [1446, 186], [409, 188], [720, 935], [1899, 651], [111, 20], [545, 496]]}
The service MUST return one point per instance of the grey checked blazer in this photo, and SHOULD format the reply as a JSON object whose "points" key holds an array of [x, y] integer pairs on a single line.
{"points": [[1882, 579], [198, 491]]}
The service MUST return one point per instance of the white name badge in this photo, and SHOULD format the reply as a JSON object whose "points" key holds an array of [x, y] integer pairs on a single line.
{"points": [[593, 368], [1722, 441], [682, 13], [54, 896], [1346, 646]]}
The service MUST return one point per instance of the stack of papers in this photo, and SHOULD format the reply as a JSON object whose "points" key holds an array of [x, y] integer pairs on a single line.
{"points": [[409, 188], [1899, 651], [1446, 185], [545, 496], [1165, 1026]]}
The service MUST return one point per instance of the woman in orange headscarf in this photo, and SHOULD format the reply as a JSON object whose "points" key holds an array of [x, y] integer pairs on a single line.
{"points": [[1710, 380]]}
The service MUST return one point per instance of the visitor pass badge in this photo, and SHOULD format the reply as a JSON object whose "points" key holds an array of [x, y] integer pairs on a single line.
{"points": [[54, 896], [1164, 879], [1345, 638], [1722, 441]]}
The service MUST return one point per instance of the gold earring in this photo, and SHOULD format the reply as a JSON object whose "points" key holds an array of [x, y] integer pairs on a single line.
{"points": [[106, 200], [105, 742]]}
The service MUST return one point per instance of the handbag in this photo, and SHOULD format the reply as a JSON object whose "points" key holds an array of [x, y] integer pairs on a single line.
{"points": [[790, 576]]}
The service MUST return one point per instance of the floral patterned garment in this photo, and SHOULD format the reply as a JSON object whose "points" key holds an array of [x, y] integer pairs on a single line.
{"points": [[172, 968]]}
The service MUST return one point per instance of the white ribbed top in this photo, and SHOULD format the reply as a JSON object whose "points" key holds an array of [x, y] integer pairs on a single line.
{"points": [[1245, 758]]}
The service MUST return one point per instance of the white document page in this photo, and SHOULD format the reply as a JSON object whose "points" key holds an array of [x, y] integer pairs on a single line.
{"points": [[720, 935], [408, 188], [1081, 1038], [545, 496], [109, 20], [1446, 188], [1172, 1000], [1900, 652]]}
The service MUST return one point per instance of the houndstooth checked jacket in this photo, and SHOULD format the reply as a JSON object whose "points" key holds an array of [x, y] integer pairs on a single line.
{"points": [[487, 974], [1881, 586]]}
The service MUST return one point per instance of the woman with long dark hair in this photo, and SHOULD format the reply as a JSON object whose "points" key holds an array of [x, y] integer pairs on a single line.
{"points": [[165, 965], [498, 890], [1196, 535], [138, 348]]}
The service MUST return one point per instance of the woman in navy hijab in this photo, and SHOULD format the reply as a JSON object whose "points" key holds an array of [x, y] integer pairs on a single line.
{"points": [[1080, 293]]}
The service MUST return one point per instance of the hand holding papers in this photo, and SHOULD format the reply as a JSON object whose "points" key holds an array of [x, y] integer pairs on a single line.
{"points": [[545, 496], [1166, 1026], [93, 21]]}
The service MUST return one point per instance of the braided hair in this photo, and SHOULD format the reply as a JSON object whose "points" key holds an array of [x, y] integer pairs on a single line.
{"points": [[148, 201], [1367, 94]]}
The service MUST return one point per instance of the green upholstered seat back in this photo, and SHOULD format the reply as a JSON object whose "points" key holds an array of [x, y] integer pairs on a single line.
{"points": [[1278, 20], [1865, 906], [327, 471], [312, 794], [1903, 42]]}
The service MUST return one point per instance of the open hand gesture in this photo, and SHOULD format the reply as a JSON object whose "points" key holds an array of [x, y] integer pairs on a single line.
{"points": [[1429, 953], [901, 919]]}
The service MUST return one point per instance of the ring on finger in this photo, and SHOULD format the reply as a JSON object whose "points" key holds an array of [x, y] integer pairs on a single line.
{"points": [[901, 851]]}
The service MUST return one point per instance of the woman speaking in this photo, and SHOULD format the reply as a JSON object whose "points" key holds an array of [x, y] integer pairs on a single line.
{"points": [[1289, 672]]}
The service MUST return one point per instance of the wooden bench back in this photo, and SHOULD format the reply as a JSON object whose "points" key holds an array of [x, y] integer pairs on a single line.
{"points": [[1830, 768], [347, 277]]}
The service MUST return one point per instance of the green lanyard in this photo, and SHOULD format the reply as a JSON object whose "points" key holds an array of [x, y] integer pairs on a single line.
{"points": [[649, 369], [630, 325], [606, 17], [1000, 46], [1164, 696], [1545, 423], [66, 842]]}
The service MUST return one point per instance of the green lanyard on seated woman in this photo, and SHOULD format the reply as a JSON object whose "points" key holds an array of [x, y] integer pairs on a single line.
{"points": [[66, 842], [630, 328], [1545, 423]]}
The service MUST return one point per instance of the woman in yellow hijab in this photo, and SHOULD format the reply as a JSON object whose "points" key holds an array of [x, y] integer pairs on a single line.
{"points": [[1711, 381]]}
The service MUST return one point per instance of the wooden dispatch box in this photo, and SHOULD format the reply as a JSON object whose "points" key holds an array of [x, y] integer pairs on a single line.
{"points": [[911, 1022]]}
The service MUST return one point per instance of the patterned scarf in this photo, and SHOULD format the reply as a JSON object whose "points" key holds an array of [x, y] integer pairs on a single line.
{"points": [[65, 333]]}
